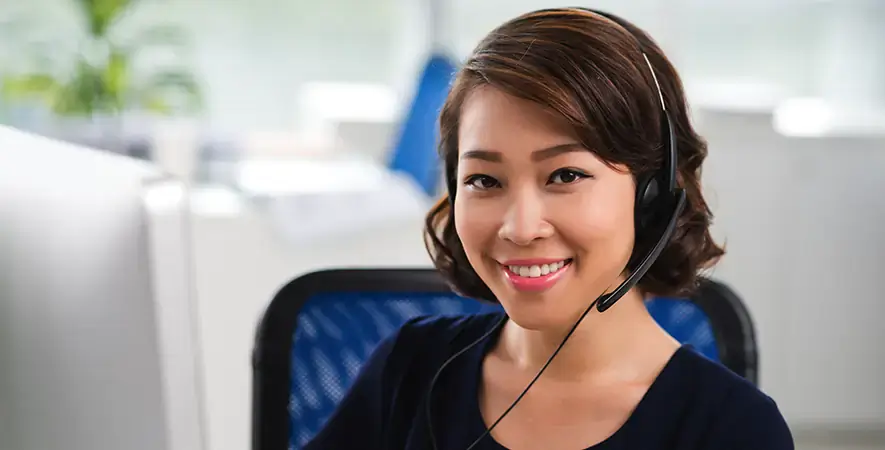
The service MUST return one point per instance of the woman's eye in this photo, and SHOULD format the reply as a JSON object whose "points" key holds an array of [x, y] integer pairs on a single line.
{"points": [[566, 176], [481, 182]]}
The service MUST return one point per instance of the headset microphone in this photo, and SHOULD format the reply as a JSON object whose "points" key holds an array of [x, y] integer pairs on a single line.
{"points": [[659, 203]]}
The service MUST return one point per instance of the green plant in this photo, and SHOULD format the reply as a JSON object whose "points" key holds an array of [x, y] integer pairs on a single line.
{"points": [[102, 79]]}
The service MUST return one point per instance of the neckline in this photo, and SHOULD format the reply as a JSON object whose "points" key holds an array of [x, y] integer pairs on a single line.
{"points": [[666, 378]]}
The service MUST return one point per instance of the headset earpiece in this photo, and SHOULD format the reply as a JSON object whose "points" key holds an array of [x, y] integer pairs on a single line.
{"points": [[648, 192]]}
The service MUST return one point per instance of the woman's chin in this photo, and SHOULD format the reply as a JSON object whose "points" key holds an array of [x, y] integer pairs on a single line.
{"points": [[538, 317]]}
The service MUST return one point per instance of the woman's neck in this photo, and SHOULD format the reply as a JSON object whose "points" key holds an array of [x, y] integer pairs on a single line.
{"points": [[618, 343]]}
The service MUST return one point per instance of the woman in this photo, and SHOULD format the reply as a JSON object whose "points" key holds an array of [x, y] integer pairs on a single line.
{"points": [[549, 136]]}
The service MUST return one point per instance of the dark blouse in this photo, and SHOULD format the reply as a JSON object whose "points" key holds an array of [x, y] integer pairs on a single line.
{"points": [[694, 403]]}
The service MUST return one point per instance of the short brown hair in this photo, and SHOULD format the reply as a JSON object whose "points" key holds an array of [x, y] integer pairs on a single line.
{"points": [[588, 68]]}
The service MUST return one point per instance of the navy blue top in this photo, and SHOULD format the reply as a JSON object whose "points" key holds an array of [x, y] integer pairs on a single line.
{"points": [[693, 404]]}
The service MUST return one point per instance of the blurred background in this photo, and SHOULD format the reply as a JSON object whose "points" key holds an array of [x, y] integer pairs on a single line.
{"points": [[167, 165]]}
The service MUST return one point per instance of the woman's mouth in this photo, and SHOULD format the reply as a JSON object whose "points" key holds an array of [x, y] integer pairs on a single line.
{"points": [[535, 275]]}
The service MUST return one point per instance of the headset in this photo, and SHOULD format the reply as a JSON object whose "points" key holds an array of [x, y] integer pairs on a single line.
{"points": [[659, 203]]}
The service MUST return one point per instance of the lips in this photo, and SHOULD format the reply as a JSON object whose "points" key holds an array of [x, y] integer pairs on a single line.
{"points": [[535, 275], [536, 270]]}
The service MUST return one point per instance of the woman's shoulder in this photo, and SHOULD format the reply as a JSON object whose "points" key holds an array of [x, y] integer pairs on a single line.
{"points": [[424, 341], [383, 400], [440, 334], [712, 379], [739, 414]]}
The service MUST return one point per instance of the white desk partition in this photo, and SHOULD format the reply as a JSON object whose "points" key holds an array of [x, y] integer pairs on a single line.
{"points": [[803, 220]]}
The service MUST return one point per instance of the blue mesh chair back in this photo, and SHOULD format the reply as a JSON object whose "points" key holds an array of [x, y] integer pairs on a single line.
{"points": [[415, 151], [320, 328]]}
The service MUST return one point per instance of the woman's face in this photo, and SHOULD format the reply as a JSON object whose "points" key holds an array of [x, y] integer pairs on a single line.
{"points": [[545, 223]]}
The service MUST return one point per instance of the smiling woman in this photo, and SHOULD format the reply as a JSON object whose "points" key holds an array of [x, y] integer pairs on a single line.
{"points": [[558, 130], [603, 103]]}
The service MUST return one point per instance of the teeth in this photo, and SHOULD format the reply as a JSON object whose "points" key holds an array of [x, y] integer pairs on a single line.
{"points": [[536, 270]]}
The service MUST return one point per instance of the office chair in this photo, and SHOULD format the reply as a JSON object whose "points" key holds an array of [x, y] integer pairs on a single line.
{"points": [[319, 328]]}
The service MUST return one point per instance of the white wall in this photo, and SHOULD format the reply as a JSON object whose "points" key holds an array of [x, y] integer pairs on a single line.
{"points": [[255, 56], [251, 56]]}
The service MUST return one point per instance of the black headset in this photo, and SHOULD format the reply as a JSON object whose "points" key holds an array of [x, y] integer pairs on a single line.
{"points": [[659, 203]]}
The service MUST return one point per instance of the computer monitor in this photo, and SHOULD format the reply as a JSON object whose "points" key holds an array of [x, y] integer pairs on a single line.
{"points": [[97, 347]]}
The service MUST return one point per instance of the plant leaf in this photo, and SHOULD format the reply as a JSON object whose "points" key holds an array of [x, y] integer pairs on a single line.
{"points": [[162, 90], [40, 87], [115, 78], [156, 104], [101, 14], [85, 93]]}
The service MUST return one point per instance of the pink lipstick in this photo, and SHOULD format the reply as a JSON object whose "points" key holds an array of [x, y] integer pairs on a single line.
{"points": [[535, 275]]}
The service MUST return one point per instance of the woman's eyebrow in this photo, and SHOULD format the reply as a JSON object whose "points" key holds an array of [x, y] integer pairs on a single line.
{"points": [[537, 155]]}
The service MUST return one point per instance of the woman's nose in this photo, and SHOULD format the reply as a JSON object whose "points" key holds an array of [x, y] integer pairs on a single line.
{"points": [[524, 221]]}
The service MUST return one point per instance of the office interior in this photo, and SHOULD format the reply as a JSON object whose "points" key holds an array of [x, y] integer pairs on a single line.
{"points": [[143, 234]]}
